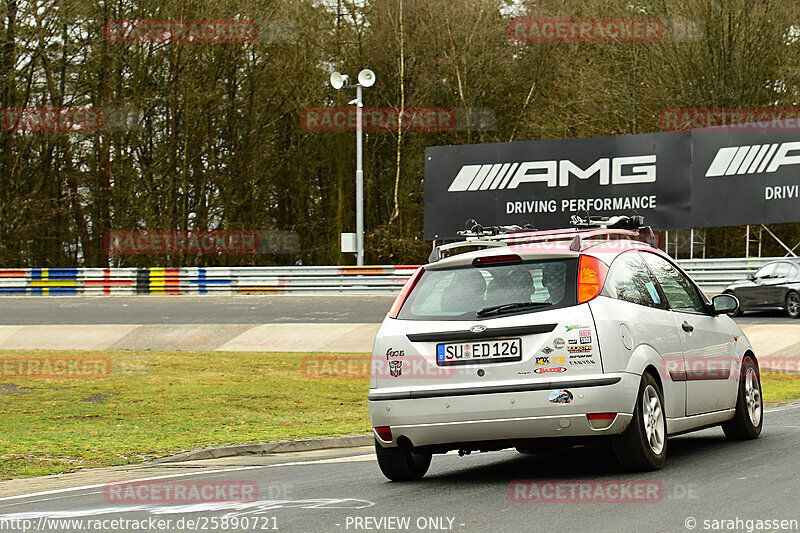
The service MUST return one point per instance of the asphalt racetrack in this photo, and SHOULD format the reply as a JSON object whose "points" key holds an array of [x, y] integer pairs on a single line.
{"points": [[707, 484], [706, 478], [270, 309]]}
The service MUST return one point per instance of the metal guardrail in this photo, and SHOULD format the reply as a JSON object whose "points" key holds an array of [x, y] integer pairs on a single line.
{"points": [[366, 280], [712, 275]]}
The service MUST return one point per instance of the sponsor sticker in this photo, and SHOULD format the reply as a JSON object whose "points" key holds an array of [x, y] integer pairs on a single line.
{"points": [[395, 368], [550, 370], [542, 360], [559, 360], [589, 362], [547, 350], [580, 349], [562, 396], [558, 343], [585, 337]]}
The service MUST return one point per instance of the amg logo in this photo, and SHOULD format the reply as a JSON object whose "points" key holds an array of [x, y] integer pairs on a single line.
{"points": [[611, 171], [753, 159]]}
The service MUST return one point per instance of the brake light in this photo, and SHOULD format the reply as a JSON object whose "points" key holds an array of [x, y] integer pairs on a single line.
{"points": [[494, 259], [591, 276], [404, 292], [384, 433]]}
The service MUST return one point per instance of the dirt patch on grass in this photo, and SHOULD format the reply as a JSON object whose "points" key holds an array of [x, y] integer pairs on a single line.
{"points": [[9, 389]]}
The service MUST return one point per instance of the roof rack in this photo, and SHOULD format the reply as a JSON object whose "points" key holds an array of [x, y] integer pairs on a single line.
{"points": [[583, 229], [615, 222], [476, 230]]}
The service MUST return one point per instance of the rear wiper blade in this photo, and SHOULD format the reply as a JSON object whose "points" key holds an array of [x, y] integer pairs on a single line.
{"points": [[511, 307]]}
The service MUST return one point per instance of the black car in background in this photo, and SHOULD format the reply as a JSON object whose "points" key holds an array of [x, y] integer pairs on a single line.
{"points": [[775, 286]]}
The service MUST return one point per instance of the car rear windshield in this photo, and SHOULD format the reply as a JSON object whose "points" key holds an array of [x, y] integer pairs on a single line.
{"points": [[488, 291]]}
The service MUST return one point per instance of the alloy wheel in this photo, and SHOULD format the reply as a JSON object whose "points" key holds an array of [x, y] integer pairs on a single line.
{"points": [[793, 304], [752, 396], [653, 415]]}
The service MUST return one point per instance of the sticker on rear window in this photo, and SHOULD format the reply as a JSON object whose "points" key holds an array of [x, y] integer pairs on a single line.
{"points": [[653, 293]]}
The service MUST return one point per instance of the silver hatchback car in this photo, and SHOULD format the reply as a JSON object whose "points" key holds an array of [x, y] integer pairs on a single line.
{"points": [[551, 338]]}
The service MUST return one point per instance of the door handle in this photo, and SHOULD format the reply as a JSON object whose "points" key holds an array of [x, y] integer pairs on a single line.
{"points": [[687, 327]]}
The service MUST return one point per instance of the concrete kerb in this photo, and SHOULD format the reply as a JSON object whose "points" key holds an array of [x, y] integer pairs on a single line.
{"points": [[267, 448]]}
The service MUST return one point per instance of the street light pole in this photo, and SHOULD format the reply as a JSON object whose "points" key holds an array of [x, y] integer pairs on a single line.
{"points": [[366, 78], [359, 183]]}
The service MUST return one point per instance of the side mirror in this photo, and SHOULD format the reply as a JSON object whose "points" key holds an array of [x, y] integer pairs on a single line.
{"points": [[723, 304], [751, 276]]}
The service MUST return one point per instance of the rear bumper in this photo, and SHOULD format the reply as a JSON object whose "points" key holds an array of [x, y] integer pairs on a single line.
{"points": [[483, 415]]}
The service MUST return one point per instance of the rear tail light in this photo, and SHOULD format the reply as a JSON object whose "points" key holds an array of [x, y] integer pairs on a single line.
{"points": [[601, 416], [494, 259], [384, 433], [404, 292], [601, 420], [591, 276]]}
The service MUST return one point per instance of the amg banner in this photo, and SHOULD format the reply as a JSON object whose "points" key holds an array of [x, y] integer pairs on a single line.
{"points": [[675, 179], [745, 178]]}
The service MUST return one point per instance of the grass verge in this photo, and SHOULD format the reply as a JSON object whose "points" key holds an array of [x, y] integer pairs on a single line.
{"points": [[159, 403], [154, 404], [780, 386]]}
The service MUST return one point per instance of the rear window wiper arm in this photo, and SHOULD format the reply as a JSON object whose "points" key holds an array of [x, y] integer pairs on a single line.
{"points": [[511, 307]]}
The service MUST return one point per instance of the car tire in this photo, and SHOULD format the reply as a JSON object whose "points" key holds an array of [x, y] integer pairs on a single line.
{"points": [[400, 463], [749, 415], [793, 305], [643, 445]]}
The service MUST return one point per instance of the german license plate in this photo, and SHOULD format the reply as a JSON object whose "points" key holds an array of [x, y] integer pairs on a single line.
{"points": [[488, 351]]}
